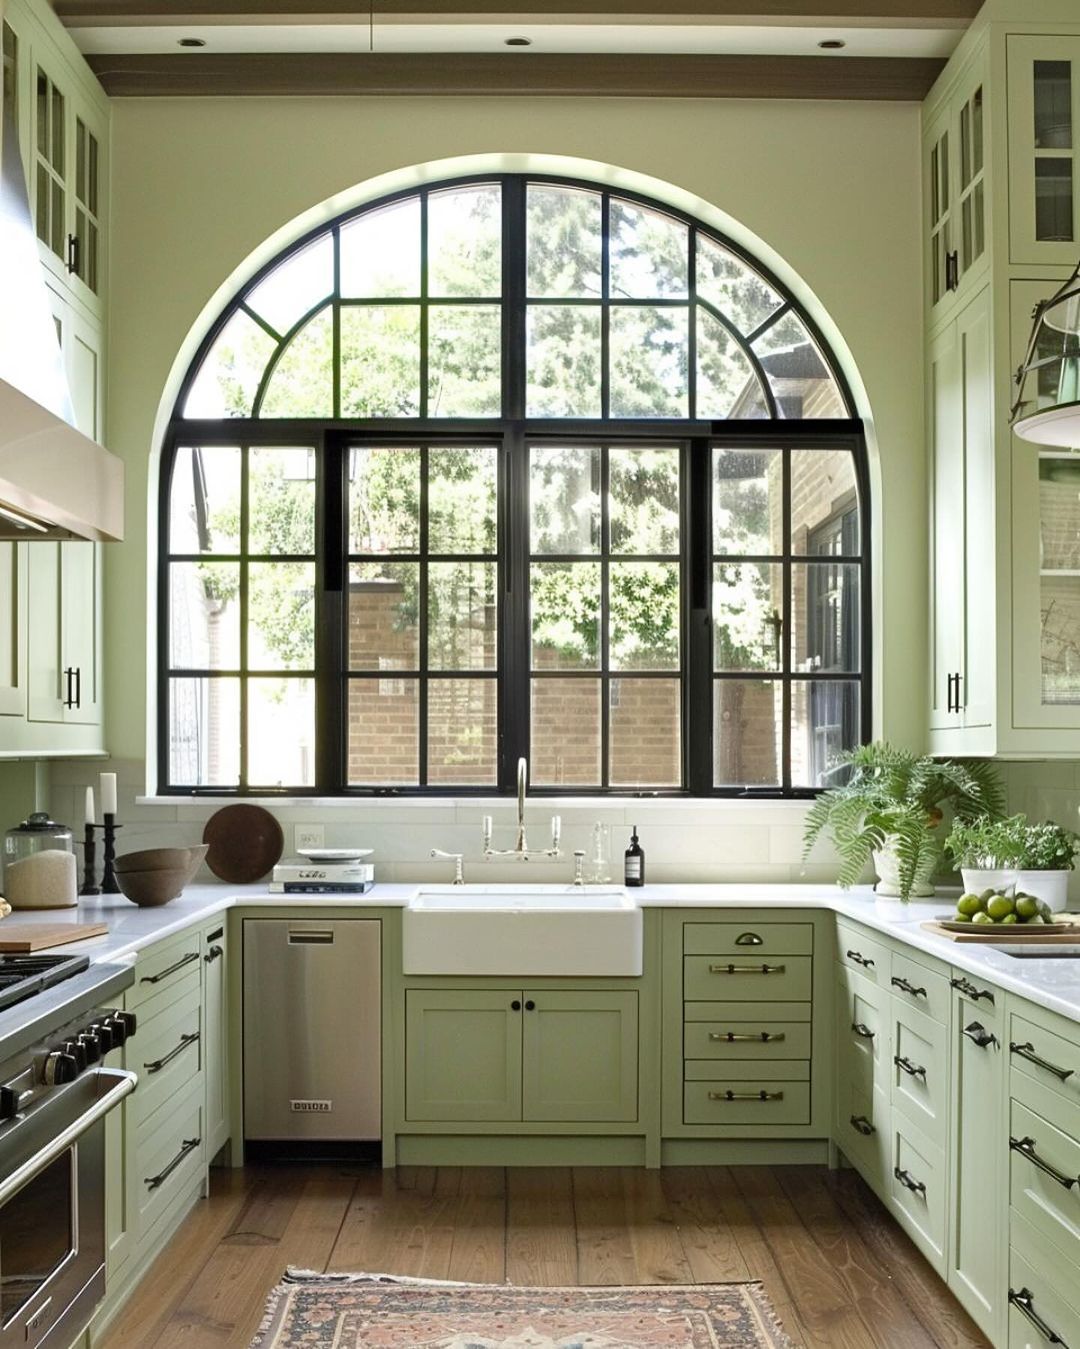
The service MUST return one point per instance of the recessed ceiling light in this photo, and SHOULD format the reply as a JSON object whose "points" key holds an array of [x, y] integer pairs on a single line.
{"points": [[832, 44], [191, 42], [518, 41]]}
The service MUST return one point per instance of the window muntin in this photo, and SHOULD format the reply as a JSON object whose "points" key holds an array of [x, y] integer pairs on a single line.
{"points": [[472, 308]]}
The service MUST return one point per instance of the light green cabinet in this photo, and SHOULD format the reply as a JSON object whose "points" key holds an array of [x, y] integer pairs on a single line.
{"points": [[579, 1056], [13, 619], [463, 1054], [215, 1035]]}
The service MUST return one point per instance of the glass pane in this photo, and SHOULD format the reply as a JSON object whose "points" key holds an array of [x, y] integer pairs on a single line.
{"points": [[384, 500], [302, 384], [824, 723], [463, 499], [648, 362], [204, 732], [58, 211], [643, 629], [465, 241], [281, 616], [228, 378], [748, 604], [281, 732], [747, 502], [80, 160], [384, 732], [296, 286], [38, 1238], [824, 504], [825, 616], [56, 155], [463, 732], [380, 252], [734, 288], [204, 616], [465, 361], [643, 503], [564, 499], [281, 500], [649, 253], [977, 131], [1054, 199], [462, 617], [564, 242], [42, 101], [565, 607], [42, 204], [380, 361], [800, 380], [383, 616], [9, 76], [1060, 638], [564, 746], [1059, 512], [92, 173], [204, 500], [644, 735], [747, 732], [726, 383], [1053, 105], [564, 360]]}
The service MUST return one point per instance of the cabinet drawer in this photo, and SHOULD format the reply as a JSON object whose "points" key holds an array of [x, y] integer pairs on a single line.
{"points": [[1045, 1058], [748, 939], [1044, 1178], [986, 1001], [746, 1102], [166, 973], [861, 1130], [760, 1039], [919, 1073], [862, 1032], [1039, 1316], [915, 985], [917, 1189], [739, 978], [720, 1070], [167, 1055], [168, 1158], [862, 953]]}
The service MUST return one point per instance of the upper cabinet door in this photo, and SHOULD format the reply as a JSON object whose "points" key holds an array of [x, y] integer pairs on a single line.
{"points": [[1044, 125], [13, 571]]}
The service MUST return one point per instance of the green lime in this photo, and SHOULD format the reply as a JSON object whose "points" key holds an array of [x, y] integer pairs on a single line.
{"points": [[1046, 911], [981, 918], [1010, 918], [999, 907], [1026, 907], [988, 894], [962, 918], [969, 904]]}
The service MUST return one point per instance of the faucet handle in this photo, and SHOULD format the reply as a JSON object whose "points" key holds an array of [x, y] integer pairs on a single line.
{"points": [[458, 860]]}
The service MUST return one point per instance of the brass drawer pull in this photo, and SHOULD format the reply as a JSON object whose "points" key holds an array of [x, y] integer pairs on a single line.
{"points": [[898, 982], [979, 1035], [164, 974], [905, 1065], [862, 1030], [969, 990], [1024, 1302], [862, 1125], [1027, 1051], [860, 959], [189, 1145], [764, 1037], [747, 969], [746, 1095], [185, 1040], [1026, 1148], [749, 939], [906, 1180]]}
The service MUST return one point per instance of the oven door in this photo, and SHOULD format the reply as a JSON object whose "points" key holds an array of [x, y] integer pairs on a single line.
{"points": [[52, 1212]]}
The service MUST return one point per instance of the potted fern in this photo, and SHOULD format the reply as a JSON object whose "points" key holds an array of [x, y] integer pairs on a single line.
{"points": [[889, 810]]}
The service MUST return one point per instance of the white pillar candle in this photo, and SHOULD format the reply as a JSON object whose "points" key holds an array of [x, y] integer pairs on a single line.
{"points": [[108, 793], [89, 816]]}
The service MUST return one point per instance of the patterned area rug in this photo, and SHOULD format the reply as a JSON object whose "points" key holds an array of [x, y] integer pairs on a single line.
{"points": [[377, 1311]]}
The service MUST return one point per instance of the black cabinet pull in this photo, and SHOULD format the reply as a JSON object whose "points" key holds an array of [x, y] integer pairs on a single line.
{"points": [[959, 704], [952, 271], [189, 1145], [215, 953], [73, 253], [185, 1040], [862, 1125], [216, 935], [969, 990], [69, 687], [979, 1035], [908, 1182], [515, 1006], [1027, 1051], [905, 1065], [860, 959], [164, 974], [949, 704], [1026, 1148], [916, 992], [530, 1006], [1024, 1302], [862, 1030]]}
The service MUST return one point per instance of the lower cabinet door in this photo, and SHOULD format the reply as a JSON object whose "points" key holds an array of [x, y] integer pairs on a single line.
{"points": [[1042, 1293], [580, 1060], [917, 1189], [463, 1054]]}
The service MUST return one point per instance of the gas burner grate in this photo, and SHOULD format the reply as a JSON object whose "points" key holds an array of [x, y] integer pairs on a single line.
{"points": [[21, 976]]}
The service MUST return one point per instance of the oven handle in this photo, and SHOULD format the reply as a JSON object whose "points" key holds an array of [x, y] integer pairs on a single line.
{"points": [[123, 1084]]}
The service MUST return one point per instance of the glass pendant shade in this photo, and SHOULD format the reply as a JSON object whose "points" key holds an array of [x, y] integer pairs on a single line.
{"points": [[1047, 407]]}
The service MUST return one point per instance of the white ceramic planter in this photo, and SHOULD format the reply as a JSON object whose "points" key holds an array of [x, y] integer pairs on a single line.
{"points": [[1052, 887], [977, 880], [887, 867]]}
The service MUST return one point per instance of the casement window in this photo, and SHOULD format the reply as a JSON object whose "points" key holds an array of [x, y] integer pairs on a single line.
{"points": [[512, 467]]}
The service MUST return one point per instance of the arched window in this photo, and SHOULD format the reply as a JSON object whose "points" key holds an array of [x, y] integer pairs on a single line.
{"points": [[509, 467]]}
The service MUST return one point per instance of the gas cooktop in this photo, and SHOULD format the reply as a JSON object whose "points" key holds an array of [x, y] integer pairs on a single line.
{"points": [[21, 976]]}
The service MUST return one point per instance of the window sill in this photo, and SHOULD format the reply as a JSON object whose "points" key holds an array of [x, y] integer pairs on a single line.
{"points": [[643, 805]]}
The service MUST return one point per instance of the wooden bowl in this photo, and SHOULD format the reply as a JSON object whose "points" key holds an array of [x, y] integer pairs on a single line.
{"points": [[163, 859], [149, 889]]}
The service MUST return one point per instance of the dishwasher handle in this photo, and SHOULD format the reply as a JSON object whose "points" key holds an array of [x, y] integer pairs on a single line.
{"points": [[322, 936]]}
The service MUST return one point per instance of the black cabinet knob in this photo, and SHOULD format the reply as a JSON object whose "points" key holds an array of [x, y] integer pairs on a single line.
{"points": [[515, 1006], [530, 1006]]}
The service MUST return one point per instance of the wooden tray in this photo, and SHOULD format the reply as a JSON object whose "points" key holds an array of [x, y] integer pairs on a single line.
{"points": [[1017, 933], [40, 936], [245, 843]]}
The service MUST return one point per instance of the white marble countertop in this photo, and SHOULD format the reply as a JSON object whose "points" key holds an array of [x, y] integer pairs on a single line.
{"points": [[1053, 984]]}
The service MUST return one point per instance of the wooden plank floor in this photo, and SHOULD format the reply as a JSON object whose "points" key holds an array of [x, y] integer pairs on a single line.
{"points": [[840, 1273]]}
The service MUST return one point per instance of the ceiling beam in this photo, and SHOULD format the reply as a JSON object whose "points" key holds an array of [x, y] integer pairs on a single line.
{"points": [[198, 74]]}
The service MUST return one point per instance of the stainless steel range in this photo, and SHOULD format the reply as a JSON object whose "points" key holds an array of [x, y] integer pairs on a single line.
{"points": [[55, 1092]]}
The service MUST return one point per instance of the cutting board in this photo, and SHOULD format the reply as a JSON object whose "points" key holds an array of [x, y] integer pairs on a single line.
{"points": [[40, 936], [1024, 936]]}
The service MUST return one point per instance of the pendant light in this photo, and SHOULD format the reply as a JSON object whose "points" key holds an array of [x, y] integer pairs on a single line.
{"points": [[1047, 406]]}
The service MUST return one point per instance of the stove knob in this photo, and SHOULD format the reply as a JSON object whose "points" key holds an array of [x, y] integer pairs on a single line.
{"points": [[77, 1052], [120, 1025], [92, 1044], [104, 1032], [9, 1102], [59, 1068]]}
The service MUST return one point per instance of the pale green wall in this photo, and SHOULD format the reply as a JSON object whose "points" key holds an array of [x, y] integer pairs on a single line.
{"points": [[833, 188]]}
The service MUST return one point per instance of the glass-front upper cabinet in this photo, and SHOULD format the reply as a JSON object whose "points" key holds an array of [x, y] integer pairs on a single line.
{"points": [[1044, 126]]}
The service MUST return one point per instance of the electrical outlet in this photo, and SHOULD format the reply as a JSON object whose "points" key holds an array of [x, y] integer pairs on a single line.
{"points": [[309, 836]]}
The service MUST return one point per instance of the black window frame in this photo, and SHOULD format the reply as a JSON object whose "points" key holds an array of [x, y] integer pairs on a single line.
{"points": [[513, 433]]}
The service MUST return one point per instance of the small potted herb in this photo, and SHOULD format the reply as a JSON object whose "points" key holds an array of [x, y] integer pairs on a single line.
{"points": [[1045, 856], [985, 850]]}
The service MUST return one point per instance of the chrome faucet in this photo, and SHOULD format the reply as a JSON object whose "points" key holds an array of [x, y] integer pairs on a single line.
{"points": [[458, 861], [521, 846]]}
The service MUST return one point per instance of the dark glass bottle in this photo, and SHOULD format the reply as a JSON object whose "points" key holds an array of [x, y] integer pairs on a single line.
{"points": [[634, 866]]}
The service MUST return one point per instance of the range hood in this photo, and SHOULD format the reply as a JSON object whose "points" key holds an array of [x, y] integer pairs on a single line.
{"points": [[55, 482]]}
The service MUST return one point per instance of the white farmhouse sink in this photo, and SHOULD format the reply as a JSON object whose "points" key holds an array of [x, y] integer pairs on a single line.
{"points": [[522, 930]]}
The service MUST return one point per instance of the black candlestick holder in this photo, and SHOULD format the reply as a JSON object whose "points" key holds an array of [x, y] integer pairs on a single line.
{"points": [[89, 854], [108, 877]]}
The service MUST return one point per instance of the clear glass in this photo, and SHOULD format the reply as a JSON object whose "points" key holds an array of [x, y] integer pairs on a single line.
{"points": [[748, 606], [465, 361], [747, 502], [824, 500], [644, 609], [564, 499], [281, 500], [564, 360], [383, 616], [380, 252], [463, 499], [463, 732], [204, 500], [281, 732], [825, 721], [747, 732], [1059, 567], [726, 383], [801, 382], [564, 599], [1054, 199], [384, 500], [462, 616], [465, 241], [384, 732], [598, 855], [644, 500], [733, 287], [649, 253], [565, 242], [229, 377], [302, 384], [204, 615], [649, 361], [644, 733], [380, 360], [204, 732], [825, 617], [287, 293], [9, 75], [1053, 105], [281, 616], [564, 744]]}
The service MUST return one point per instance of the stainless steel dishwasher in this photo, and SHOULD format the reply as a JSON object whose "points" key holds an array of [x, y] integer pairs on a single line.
{"points": [[312, 1052]]}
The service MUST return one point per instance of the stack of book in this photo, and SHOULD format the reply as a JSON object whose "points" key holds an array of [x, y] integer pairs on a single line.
{"points": [[322, 878]]}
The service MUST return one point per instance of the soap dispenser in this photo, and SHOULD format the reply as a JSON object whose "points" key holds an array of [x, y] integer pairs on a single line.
{"points": [[634, 867]]}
